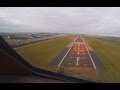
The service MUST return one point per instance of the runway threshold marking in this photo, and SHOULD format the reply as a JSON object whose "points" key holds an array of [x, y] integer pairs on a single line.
{"points": [[89, 54], [67, 52]]}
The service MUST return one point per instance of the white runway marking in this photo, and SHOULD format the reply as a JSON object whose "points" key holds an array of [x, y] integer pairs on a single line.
{"points": [[67, 52], [89, 54], [77, 57], [77, 62], [78, 53]]}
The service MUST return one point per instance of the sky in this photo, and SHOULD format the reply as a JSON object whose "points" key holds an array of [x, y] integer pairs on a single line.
{"points": [[83, 20]]}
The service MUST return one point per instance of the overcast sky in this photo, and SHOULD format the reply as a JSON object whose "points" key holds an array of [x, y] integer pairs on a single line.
{"points": [[89, 20]]}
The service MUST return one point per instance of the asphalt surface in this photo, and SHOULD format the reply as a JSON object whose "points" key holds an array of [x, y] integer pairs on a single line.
{"points": [[76, 55]]}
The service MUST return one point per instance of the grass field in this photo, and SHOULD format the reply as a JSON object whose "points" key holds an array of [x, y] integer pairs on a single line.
{"points": [[41, 53], [109, 54]]}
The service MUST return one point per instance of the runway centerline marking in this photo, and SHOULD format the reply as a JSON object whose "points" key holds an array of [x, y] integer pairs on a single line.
{"points": [[67, 52], [77, 57], [77, 62]]}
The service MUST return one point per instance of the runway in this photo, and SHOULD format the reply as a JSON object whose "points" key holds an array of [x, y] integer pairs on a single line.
{"points": [[77, 55]]}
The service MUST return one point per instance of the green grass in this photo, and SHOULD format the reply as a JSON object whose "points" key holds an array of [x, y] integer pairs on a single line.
{"points": [[41, 53], [109, 54]]}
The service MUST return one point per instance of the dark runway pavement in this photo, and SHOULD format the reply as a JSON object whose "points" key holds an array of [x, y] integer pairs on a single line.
{"points": [[76, 55]]}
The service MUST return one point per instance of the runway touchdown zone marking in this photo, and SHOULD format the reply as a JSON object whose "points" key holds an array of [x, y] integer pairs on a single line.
{"points": [[79, 51]]}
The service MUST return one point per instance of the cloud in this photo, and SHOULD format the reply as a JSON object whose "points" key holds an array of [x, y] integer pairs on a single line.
{"points": [[91, 20]]}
